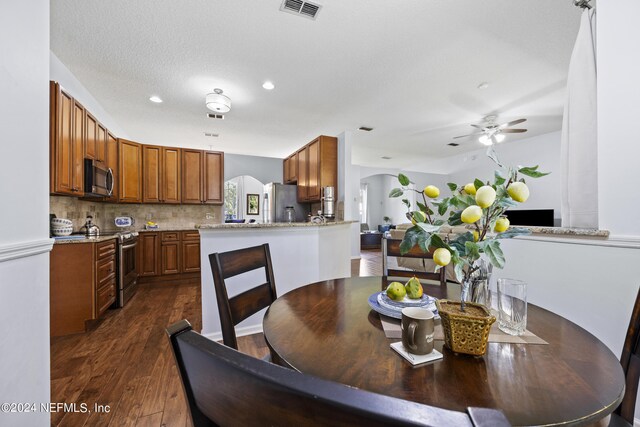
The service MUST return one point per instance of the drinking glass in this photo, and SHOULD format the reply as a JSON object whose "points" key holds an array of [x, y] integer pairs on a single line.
{"points": [[512, 306]]}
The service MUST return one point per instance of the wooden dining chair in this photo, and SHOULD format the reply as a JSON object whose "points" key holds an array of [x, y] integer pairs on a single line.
{"points": [[391, 248], [630, 360], [234, 310], [224, 387]]}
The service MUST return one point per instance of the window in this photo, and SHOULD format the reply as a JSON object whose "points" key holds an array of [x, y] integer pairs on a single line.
{"points": [[230, 200]]}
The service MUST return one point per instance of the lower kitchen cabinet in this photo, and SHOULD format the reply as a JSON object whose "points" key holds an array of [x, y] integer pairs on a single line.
{"points": [[168, 254], [82, 284]]}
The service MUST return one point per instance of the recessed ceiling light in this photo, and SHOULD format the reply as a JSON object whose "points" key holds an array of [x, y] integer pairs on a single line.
{"points": [[365, 128], [386, 157], [268, 85], [483, 85], [155, 99]]}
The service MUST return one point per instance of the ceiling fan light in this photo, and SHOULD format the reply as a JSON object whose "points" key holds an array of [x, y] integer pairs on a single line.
{"points": [[485, 139], [499, 137], [218, 102]]}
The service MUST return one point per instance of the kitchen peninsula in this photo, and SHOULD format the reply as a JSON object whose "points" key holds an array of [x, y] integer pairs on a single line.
{"points": [[301, 253]]}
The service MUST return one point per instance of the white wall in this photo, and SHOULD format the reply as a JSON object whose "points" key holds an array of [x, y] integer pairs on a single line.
{"points": [[264, 169], [618, 34], [249, 185], [59, 72], [543, 150], [376, 200], [24, 229]]}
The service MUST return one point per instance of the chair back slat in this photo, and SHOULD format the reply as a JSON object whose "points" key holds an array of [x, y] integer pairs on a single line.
{"points": [[235, 309], [228, 388], [250, 302], [630, 361], [391, 247]]}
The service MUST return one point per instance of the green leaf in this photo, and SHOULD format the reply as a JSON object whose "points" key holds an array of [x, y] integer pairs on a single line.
{"points": [[396, 192], [422, 206], [443, 206], [424, 241], [410, 239], [436, 241], [439, 222], [403, 180], [428, 227], [457, 269], [452, 186], [406, 203], [455, 218], [506, 203], [513, 232], [495, 254], [477, 183], [499, 178], [532, 171], [473, 250]]}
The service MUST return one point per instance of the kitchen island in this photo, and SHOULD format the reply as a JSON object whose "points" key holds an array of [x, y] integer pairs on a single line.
{"points": [[301, 253]]}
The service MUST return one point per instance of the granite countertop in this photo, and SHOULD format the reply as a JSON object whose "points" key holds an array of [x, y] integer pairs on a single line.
{"points": [[83, 239], [568, 232], [269, 225], [185, 228]]}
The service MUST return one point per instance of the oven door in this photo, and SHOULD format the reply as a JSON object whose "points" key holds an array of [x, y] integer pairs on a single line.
{"points": [[128, 272]]}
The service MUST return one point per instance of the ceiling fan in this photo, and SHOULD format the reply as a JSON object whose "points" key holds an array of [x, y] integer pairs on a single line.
{"points": [[493, 133]]}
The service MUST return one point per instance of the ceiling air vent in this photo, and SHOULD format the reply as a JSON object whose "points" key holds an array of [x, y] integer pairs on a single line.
{"points": [[215, 116], [303, 8], [365, 128], [214, 135], [453, 144]]}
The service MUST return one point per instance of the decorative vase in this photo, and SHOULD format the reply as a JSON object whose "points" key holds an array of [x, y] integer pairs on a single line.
{"points": [[476, 288], [466, 331]]}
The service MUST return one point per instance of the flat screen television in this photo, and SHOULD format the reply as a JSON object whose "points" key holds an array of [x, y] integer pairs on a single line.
{"points": [[533, 217]]}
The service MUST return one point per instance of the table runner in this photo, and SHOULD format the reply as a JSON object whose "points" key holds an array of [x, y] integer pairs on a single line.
{"points": [[392, 330]]}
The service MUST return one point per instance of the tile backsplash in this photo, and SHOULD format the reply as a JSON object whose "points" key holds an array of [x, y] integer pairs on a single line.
{"points": [[167, 216]]}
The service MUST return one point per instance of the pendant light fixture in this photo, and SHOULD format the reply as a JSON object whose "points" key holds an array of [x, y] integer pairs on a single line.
{"points": [[218, 102]]}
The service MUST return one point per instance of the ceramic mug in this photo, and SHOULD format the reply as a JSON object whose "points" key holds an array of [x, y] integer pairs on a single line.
{"points": [[417, 330]]}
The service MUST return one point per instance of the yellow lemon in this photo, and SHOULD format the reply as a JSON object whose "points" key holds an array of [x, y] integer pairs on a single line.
{"points": [[431, 191], [442, 257], [420, 214], [470, 189], [485, 196], [502, 224], [396, 291], [476, 235], [471, 214], [414, 288], [518, 191]]}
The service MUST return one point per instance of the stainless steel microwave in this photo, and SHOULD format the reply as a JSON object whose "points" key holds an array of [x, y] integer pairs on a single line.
{"points": [[98, 179]]}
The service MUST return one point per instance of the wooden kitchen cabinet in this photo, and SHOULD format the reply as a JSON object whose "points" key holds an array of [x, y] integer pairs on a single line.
{"points": [[202, 177], [170, 254], [82, 284], [290, 172], [317, 168], [190, 252], [90, 127], [130, 171], [160, 174], [148, 262], [66, 142], [101, 143]]}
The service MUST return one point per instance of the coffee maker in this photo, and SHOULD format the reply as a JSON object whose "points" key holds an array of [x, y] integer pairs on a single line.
{"points": [[328, 202]]}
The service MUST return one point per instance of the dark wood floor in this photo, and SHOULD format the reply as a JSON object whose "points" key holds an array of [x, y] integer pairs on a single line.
{"points": [[124, 361]]}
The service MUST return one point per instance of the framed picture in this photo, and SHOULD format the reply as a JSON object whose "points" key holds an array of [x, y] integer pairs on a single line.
{"points": [[253, 204]]}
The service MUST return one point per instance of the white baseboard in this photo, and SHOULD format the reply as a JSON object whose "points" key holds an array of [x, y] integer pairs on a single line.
{"points": [[636, 422], [25, 249], [240, 332], [355, 258]]}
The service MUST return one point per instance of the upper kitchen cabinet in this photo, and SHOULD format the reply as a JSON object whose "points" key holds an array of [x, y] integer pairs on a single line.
{"points": [[161, 174], [130, 171], [202, 176], [317, 168], [112, 163], [95, 145], [290, 169], [66, 142]]}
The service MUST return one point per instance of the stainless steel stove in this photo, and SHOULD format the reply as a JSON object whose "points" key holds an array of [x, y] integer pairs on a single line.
{"points": [[126, 265]]}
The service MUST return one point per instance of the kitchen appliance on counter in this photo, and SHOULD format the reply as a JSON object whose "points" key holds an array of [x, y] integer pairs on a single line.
{"points": [[328, 203], [89, 229], [98, 179], [278, 198]]}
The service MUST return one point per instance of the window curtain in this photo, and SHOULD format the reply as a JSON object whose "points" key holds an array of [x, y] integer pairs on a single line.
{"points": [[364, 212], [579, 145]]}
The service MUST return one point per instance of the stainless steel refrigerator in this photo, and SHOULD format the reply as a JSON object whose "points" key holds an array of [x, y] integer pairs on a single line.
{"points": [[277, 197]]}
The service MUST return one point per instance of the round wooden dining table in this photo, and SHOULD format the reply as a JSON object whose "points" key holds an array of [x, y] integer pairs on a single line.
{"points": [[327, 329]]}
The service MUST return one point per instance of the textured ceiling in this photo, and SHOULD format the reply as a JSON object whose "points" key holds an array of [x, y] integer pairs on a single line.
{"points": [[408, 69]]}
